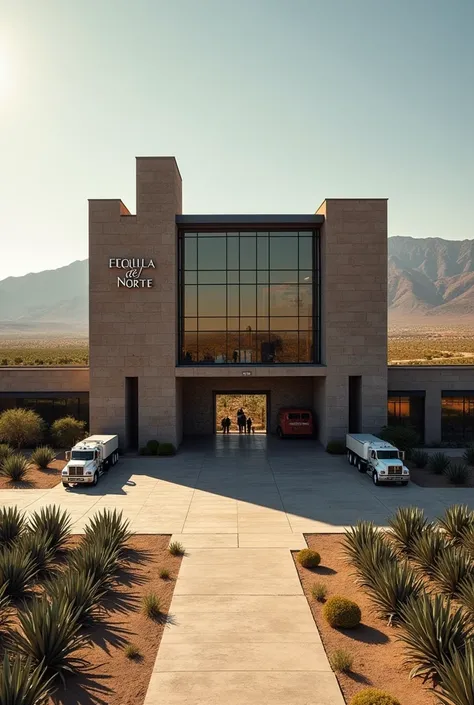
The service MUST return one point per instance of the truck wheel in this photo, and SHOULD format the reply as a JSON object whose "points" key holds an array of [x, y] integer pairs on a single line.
{"points": [[404, 483], [95, 479], [65, 484], [375, 478], [349, 457], [360, 465], [279, 432]]}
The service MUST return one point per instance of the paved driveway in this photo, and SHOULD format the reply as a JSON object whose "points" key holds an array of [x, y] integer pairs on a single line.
{"points": [[246, 491]]}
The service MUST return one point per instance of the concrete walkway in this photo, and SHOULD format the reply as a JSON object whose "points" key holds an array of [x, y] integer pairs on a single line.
{"points": [[241, 633]]}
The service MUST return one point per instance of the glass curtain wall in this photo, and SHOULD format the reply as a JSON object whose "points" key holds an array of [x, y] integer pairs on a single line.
{"points": [[407, 410], [249, 297], [457, 417]]}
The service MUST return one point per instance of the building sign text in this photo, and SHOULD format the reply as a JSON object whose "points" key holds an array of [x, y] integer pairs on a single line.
{"points": [[132, 276]]}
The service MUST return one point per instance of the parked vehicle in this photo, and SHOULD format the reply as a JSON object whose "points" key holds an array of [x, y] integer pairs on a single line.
{"points": [[89, 459], [293, 421], [379, 459]]}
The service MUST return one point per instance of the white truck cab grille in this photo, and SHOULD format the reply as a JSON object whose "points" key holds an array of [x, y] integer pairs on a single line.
{"points": [[394, 470], [77, 472]]}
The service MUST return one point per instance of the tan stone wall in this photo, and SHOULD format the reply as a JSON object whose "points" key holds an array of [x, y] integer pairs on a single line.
{"points": [[44, 379], [133, 331], [433, 381], [354, 310], [198, 397]]}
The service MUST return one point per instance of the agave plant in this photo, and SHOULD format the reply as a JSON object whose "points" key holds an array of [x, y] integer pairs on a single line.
{"points": [[5, 617], [456, 676], [12, 525], [466, 595], [51, 636], [438, 463], [467, 540], [426, 550], [53, 524], [391, 587], [17, 572], [38, 546], [371, 559], [15, 467], [100, 563], [452, 568], [408, 524], [419, 458], [108, 529], [80, 591], [458, 473], [5, 451], [21, 683], [357, 538], [431, 628], [456, 520], [43, 456]]}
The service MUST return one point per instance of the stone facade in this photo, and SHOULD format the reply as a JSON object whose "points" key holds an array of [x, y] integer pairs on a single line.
{"points": [[43, 379]]}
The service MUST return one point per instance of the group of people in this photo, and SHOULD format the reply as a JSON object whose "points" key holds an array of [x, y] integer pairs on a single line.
{"points": [[244, 423]]}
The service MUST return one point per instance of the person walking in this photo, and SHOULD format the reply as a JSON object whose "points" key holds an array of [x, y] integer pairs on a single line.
{"points": [[227, 424], [240, 414], [249, 424]]}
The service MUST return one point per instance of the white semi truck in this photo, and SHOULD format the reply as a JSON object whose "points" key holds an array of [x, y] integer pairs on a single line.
{"points": [[89, 459], [379, 459]]}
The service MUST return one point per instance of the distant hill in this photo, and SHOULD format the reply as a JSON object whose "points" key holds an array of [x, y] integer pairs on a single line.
{"points": [[430, 277], [52, 301]]}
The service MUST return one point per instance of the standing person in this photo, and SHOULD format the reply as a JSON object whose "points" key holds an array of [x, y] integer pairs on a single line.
{"points": [[227, 424], [223, 425], [244, 422], [239, 419], [249, 424]]}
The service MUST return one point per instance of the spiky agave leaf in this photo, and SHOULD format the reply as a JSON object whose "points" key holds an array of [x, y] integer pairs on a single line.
{"points": [[108, 529], [363, 534], [467, 540], [431, 628], [456, 520], [40, 549], [391, 587], [453, 566], [426, 549], [369, 560], [12, 525], [52, 523], [80, 591], [5, 616], [466, 595], [101, 563], [456, 676], [17, 572], [51, 636], [407, 525], [23, 684]]}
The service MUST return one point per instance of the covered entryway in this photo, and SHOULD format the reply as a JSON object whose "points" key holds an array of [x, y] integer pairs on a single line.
{"points": [[241, 412]]}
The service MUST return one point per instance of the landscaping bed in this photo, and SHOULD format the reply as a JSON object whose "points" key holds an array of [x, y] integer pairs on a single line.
{"points": [[36, 478], [395, 608], [99, 601]]}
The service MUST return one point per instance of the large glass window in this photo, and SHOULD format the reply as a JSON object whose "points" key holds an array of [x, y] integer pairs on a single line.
{"points": [[457, 417], [249, 297], [407, 409]]}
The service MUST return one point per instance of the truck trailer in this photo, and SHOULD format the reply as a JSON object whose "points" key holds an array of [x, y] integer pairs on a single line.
{"points": [[378, 458], [89, 459]]}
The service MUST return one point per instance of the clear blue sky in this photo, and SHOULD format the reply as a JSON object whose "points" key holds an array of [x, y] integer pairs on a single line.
{"points": [[268, 106]]}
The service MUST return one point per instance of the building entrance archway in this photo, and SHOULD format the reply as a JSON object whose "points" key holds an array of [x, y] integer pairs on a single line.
{"points": [[255, 406]]}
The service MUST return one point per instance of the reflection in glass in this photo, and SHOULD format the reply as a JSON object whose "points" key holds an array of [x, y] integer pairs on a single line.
{"points": [[190, 253], [283, 252], [190, 324], [263, 277], [190, 300], [284, 323], [232, 252], [212, 252], [262, 252], [190, 277], [262, 300], [306, 300], [233, 308], [217, 277], [248, 304], [248, 253], [247, 277], [305, 252], [189, 350], [232, 276], [284, 300], [212, 299], [284, 277], [212, 323]]}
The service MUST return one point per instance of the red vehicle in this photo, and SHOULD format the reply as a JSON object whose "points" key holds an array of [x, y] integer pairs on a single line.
{"points": [[293, 421]]}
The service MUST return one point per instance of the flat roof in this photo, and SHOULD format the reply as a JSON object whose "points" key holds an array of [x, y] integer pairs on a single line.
{"points": [[310, 220]]}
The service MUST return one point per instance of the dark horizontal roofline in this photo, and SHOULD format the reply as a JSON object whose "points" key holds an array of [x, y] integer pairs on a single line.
{"points": [[274, 219]]}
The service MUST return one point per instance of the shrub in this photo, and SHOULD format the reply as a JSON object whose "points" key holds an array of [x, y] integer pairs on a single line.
{"points": [[21, 427], [67, 431], [373, 696], [51, 636], [466, 596], [426, 550], [166, 449], [53, 524], [38, 546], [341, 661], [308, 558], [468, 455], [164, 574], [12, 525], [451, 569], [336, 448], [108, 529], [80, 591], [152, 606], [5, 617], [15, 467], [467, 541], [407, 525], [455, 521], [17, 572], [431, 629], [99, 562], [456, 675], [419, 458], [176, 548], [402, 437], [358, 537], [342, 613], [152, 447], [371, 559], [5, 451], [391, 587], [21, 684], [438, 463], [458, 473], [132, 652], [43, 456], [142, 451], [319, 592]]}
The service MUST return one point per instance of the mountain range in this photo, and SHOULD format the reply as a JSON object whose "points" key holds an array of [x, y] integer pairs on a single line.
{"points": [[427, 277]]}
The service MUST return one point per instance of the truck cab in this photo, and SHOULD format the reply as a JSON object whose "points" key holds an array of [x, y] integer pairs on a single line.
{"points": [[89, 459], [379, 459]]}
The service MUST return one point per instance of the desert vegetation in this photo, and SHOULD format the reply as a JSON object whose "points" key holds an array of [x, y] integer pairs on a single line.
{"points": [[430, 346], [44, 351]]}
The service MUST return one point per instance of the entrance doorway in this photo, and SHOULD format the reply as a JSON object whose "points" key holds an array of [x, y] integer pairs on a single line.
{"points": [[254, 405]]}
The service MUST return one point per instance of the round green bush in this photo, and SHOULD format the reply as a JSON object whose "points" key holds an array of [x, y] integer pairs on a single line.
{"points": [[342, 613], [166, 449], [308, 558], [68, 431], [336, 447], [373, 696], [152, 447]]}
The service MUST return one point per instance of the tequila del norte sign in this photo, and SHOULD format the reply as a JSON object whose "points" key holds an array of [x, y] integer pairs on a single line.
{"points": [[133, 276]]}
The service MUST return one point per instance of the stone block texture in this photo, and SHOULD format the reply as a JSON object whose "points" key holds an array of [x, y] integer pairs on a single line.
{"points": [[44, 379], [353, 312], [133, 332]]}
